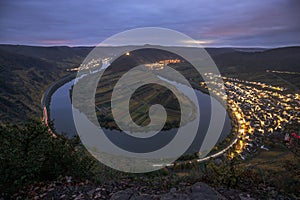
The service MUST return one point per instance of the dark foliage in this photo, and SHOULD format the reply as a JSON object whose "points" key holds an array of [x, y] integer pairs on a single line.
{"points": [[30, 154]]}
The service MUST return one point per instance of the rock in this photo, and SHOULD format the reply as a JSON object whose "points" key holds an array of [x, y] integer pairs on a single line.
{"points": [[274, 193], [170, 196], [183, 191], [230, 193], [196, 191], [172, 190], [79, 197], [244, 196], [68, 179], [97, 196], [122, 195], [142, 197], [91, 192], [43, 195], [203, 191]]}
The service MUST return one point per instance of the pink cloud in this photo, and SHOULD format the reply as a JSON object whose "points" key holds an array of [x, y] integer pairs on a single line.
{"points": [[55, 42]]}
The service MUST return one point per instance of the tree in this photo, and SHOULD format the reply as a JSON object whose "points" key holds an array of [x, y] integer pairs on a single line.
{"points": [[29, 153]]}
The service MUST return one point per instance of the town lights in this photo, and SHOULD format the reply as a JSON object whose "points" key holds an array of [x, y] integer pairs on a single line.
{"points": [[257, 108]]}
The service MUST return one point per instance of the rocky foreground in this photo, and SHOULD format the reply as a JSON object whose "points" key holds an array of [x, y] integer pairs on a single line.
{"points": [[126, 190]]}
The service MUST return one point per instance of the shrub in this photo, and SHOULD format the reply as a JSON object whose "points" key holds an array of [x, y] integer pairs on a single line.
{"points": [[29, 153]]}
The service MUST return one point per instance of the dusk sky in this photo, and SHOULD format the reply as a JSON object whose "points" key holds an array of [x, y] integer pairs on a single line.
{"points": [[264, 23]]}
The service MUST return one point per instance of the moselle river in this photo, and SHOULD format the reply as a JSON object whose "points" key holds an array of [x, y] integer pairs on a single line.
{"points": [[61, 114]]}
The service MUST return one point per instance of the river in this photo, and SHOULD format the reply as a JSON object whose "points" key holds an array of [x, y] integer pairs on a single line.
{"points": [[61, 114]]}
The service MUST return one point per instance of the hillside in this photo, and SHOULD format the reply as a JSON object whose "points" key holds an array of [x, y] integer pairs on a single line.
{"points": [[62, 56], [254, 66], [26, 71], [25, 74], [287, 58]]}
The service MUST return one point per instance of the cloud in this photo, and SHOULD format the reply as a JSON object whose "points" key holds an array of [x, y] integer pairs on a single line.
{"points": [[78, 22], [198, 42]]}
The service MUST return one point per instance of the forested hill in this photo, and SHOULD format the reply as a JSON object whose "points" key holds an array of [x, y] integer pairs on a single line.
{"points": [[62, 56], [26, 71], [287, 58]]}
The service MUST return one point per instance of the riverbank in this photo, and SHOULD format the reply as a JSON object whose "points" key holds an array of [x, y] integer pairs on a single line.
{"points": [[46, 98]]}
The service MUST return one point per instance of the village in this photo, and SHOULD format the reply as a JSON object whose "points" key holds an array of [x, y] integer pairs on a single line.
{"points": [[260, 110]]}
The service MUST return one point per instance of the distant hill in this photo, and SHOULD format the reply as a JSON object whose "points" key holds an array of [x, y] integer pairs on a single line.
{"points": [[287, 58], [63, 56], [26, 71]]}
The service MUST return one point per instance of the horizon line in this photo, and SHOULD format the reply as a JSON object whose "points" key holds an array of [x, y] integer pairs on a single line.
{"points": [[201, 46]]}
